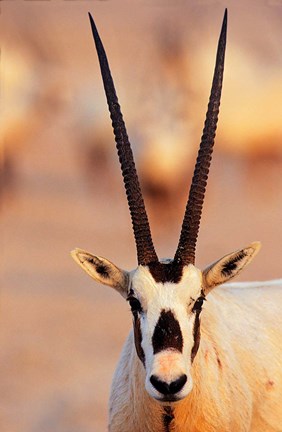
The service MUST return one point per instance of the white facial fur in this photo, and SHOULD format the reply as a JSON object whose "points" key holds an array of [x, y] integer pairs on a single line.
{"points": [[169, 364]]}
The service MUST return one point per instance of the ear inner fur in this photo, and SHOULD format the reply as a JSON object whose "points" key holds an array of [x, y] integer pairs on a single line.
{"points": [[229, 266], [102, 270]]}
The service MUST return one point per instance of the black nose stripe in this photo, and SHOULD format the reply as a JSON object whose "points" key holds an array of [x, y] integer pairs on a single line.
{"points": [[167, 333]]}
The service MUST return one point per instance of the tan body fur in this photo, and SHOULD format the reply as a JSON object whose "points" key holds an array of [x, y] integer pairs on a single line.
{"points": [[236, 373]]}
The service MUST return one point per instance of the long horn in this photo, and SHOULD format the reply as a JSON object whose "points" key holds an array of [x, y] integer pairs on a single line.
{"points": [[145, 249], [185, 253]]}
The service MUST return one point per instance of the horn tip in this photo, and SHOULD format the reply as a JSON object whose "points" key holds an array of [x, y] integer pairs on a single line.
{"points": [[95, 33], [225, 17], [93, 25]]}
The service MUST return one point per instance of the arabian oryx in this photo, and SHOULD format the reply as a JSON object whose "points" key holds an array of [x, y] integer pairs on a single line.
{"points": [[177, 372]]}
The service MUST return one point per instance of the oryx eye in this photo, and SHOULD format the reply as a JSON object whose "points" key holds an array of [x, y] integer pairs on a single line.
{"points": [[198, 304], [134, 304]]}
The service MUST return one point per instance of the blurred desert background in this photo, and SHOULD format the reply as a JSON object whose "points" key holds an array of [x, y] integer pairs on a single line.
{"points": [[61, 333]]}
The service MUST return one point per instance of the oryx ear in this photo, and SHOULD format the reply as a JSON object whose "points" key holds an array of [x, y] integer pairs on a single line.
{"points": [[228, 266], [102, 270]]}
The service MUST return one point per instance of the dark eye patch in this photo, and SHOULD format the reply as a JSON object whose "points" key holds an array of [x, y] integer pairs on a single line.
{"points": [[198, 304], [134, 304]]}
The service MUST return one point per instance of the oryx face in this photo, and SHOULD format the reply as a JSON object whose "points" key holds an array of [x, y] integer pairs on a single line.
{"points": [[165, 297], [166, 329], [166, 301]]}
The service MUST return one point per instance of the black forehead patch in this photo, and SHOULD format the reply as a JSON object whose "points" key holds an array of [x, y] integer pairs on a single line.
{"points": [[166, 272], [167, 333]]}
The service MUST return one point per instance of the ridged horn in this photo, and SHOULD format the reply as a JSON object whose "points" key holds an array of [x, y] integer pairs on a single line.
{"points": [[185, 253], [145, 249]]}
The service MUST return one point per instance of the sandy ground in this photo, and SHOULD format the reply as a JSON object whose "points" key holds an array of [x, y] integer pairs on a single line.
{"points": [[61, 333]]}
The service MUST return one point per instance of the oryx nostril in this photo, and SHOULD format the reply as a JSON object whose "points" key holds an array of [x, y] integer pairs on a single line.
{"points": [[177, 385], [168, 389], [159, 385]]}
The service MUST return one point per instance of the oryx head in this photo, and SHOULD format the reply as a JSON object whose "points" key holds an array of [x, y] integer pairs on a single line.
{"points": [[166, 296]]}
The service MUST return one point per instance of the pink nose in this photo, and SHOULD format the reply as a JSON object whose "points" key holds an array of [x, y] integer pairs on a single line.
{"points": [[168, 388]]}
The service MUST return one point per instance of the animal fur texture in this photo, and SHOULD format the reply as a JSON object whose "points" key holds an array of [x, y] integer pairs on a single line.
{"points": [[236, 373]]}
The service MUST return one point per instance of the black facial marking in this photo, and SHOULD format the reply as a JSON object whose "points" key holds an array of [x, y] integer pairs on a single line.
{"points": [[196, 335], [131, 292], [166, 272], [134, 304], [198, 304], [167, 333], [138, 338], [231, 265], [136, 309], [197, 309], [168, 416]]}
